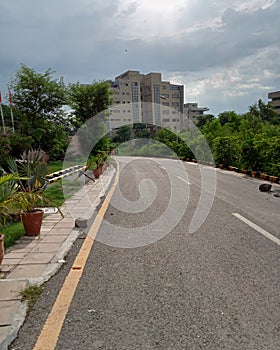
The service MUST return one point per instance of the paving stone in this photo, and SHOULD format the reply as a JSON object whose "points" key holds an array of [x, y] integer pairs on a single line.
{"points": [[60, 231], [39, 258], [27, 271], [7, 261], [10, 289], [15, 255], [21, 247], [54, 238], [6, 268], [45, 247], [8, 309]]}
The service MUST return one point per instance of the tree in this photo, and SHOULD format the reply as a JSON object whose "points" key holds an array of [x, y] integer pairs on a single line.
{"points": [[264, 112], [123, 134], [38, 105], [89, 100], [204, 119], [38, 96], [141, 131]]}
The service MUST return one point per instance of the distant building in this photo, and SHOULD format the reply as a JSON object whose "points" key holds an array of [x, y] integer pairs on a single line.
{"points": [[192, 111], [275, 100], [146, 98]]}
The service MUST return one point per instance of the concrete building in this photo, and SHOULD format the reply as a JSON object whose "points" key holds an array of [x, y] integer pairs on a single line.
{"points": [[146, 98], [275, 100], [192, 111]]}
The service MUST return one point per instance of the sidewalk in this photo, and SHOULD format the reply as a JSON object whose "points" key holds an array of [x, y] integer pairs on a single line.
{"points": [[33, 260]]}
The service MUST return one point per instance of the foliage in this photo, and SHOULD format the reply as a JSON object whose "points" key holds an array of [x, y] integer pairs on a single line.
{"points": [[38, 100], [123, 134], [32, 170], [38, 96], [250, 140], [87, 100]]}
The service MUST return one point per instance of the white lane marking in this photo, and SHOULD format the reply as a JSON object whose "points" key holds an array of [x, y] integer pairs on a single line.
{"points": [[187, 182], [257, 228]]}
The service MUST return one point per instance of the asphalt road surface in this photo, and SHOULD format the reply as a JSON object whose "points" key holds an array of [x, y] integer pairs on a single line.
{"points": [[174, 267]]}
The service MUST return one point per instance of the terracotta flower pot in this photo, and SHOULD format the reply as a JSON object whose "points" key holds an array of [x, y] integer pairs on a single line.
{"points": [[2, 250], [97, 172], [32, 222]]}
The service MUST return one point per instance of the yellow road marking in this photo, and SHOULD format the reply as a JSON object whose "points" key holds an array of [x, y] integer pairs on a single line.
{"points": [[51, 330]]}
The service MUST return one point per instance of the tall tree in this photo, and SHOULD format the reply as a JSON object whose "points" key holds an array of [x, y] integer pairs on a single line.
{"points": [[87, 100], [38, 96], [39, 100]]}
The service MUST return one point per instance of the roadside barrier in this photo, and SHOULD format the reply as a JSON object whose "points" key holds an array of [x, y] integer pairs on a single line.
{"points": [[56, 176]]}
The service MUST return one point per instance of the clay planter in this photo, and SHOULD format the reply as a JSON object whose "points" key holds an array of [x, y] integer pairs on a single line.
{"points": [[2, 250], [97, 172], [32, 222]]}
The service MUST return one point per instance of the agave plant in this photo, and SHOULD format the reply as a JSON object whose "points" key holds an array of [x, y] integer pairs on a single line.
{"points": [[30, 171], [8, 189]]}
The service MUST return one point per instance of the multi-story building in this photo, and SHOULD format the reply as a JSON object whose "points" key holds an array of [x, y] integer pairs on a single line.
{"points": [[192, 111], [146, 98], [275, 100]]}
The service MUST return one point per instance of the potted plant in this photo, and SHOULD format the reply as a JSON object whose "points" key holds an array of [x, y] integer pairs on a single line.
{"points": [[30, 195]]}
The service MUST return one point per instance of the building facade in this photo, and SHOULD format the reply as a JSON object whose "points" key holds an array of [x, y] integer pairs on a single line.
{"points": [[192, 112], [275, 100], [146, 98]]}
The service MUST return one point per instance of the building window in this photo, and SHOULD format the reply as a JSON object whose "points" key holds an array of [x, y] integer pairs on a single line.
{"points": [[175, 104], [175, 87], [165, 111], [165, 103], [166, 120], [164, 95], [175, 96]]}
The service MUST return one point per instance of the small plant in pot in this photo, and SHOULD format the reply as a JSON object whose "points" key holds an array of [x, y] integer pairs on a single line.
{"points": [[95, 164], [30, 189]]}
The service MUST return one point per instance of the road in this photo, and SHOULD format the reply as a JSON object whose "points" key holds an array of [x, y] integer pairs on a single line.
{"points": [[170, 271]]}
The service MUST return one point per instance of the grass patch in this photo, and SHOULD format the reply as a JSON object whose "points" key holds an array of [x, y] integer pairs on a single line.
{"points": [[55, 166], [13, 231], [31, 294], [55, 194]]}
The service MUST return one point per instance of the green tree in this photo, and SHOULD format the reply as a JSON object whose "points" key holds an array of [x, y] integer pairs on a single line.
{"points": [[123, 134], [204, 119], [87, 100], [264, 112], [38, 96], [38, 104]]}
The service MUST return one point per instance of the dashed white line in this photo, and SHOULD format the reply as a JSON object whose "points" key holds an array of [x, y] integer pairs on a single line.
{"points": [[187, 182], [257, 228]]}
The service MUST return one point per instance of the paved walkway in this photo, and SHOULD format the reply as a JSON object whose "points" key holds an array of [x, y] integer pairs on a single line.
{"points": [[33, 260]]}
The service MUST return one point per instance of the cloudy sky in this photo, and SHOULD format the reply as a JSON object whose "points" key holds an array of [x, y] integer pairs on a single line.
{"points": [[226, 53]]}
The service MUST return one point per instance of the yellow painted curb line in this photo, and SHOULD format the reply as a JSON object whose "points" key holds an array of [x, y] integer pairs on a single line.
{"points": [[48, 337]]}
